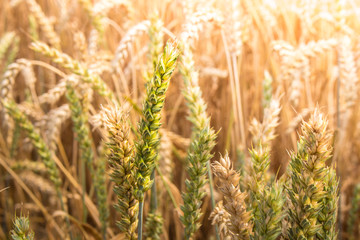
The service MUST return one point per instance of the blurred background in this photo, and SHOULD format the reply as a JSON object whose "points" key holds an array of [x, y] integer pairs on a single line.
{"points": [[305, 53]]}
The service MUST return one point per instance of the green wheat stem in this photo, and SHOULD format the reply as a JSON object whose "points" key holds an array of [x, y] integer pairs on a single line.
{"points": [[141, 206], [79, 118], [153, 200], [14, 51], [83, 185], [153, 223], [5, 42], [213, 204]]}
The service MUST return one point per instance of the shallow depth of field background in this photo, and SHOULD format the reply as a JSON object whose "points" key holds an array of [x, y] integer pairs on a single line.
{"points": [[309, 51]]}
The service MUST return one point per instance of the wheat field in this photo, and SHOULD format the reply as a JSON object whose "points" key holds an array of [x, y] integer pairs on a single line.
{"points": [[182, 119]]}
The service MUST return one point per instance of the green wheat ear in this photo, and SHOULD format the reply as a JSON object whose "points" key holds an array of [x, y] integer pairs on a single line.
{"points": [[21, 229], [147, 146], [267, 198], [5, 43], [313, 187], [121, 161], [149, 125], [202, 142], [153, 226]]}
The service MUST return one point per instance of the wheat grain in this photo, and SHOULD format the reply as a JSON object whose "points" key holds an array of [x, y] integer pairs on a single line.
{"points": [[21, 229], [348, 76], [55, 93], [44, 23], [239, 225], [5, 43], [122, 49], [307, 192], [196, 23], [52, 122], [202, 142], [221, 217], [122, 162], [37, 182], [34, 166], [263, 133], [104, 6]]}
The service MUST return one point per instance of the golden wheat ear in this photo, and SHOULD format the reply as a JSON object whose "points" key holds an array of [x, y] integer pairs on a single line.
{"points": [[236, 221]]}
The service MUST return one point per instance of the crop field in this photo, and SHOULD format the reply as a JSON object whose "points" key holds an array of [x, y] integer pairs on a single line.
{"points": [[180, 119]]}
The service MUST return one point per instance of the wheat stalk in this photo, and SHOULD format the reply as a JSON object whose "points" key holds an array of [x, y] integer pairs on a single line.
{"points": [[101, 192], [41, 148], [79, 117]]}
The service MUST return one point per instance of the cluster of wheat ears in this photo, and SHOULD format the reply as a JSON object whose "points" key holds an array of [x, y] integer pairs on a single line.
{"points": [[179, 119]]}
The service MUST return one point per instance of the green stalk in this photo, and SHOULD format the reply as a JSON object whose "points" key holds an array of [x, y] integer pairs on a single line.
{"points": [[153, 200], [79, 118], [83, 186], [14, 51], [101, 192], [141, 206], [154, 221]]}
